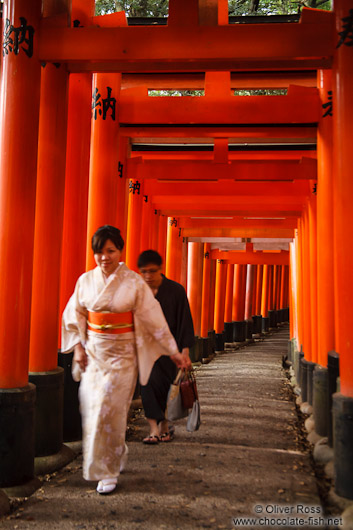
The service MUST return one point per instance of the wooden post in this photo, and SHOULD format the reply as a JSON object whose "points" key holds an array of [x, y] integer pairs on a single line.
{"points": [[19, 108], [313, 278], [49, 219], [193, 284], [162, 236], [73, 258], [173, 254], [325, 248], [343, 253], [206, 285], [133, 224], [104, 159], [219, 296]]}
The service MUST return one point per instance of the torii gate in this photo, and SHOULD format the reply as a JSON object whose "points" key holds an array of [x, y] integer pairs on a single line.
{"points": [[38, 210]]}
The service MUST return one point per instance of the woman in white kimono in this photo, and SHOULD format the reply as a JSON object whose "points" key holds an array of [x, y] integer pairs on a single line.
{"points": [[116, 328]]}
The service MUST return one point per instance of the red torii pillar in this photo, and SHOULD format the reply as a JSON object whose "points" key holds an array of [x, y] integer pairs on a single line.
{"points": [[133, 230], [264, 298], [19, 107], [325, 269], [43, 356], [249, 300], [257, 318], [325, 249], [212, 297], [228, 324], [162, 237], [239, 324], [205, 307], [155, 229], [219, 303], [104, 157], [343, 255], [193, 293], [174, 250], [73, 258], [145, 224]]}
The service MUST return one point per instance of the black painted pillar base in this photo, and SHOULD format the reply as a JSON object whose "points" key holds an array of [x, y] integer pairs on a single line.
{"points": [[72, 429], [310, 376], [265, 324], [333, 373], [249, 329], [320, 390], [219, 342], [49, 411], [239, 331], [204, 348], [257, 320], [272, 319], [342, 410], [228, 332], [17, 438], [212, 341], [194, 351], [303, 377]]}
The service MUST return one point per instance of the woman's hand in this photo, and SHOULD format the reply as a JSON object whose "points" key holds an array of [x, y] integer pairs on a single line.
{"points": [[80, 356]]}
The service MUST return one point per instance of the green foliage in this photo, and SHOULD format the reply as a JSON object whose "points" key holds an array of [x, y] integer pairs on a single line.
{"points": [[176, 93], [159, 8], [134, 8]]}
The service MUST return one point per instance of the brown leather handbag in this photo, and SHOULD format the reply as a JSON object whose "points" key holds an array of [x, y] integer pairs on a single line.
{"points": [[188, 389]]}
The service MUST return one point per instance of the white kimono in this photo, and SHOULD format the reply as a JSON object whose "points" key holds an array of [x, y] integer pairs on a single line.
{"points": [[108, 383]]}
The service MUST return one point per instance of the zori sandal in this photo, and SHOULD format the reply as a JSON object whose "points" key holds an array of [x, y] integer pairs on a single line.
{"points": [[107, 485], [152, 439], [166, 437]]}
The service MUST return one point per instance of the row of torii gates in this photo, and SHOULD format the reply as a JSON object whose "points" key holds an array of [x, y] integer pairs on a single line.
{"points": [[247, 198]]}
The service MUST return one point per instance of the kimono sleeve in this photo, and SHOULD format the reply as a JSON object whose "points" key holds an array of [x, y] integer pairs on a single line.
{"points": [[74, 323], [151, 323]]}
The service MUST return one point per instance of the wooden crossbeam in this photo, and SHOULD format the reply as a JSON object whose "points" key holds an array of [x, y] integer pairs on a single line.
{"points": [[300, 106], [308, 44], [237, 223], [238, 232], [270, 170], [189, 192], [253, 258]]}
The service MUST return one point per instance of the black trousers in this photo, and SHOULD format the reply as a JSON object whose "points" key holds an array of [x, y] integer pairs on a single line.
{"points": [[154, 394]]}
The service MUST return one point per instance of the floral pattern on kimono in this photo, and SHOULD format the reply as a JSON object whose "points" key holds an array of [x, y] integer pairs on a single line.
{"points": [[108, 383]]}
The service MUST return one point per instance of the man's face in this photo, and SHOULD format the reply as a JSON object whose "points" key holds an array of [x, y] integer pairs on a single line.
{"points": [[152, 274]]}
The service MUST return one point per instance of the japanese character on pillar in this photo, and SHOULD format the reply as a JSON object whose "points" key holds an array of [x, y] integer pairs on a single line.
{"points": [[134, 186], [207, 255], [145, 198], [120, 170], [15, 36], [101, 106], [347, 31], [173, 222], [328, 105]]}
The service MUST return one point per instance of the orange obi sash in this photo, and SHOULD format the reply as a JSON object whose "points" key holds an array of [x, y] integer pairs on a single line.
{"points": [[114, 323]]}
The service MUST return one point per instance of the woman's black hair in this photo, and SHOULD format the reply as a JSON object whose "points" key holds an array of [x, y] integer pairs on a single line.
{"points": [[147, 257], [101, 236]]}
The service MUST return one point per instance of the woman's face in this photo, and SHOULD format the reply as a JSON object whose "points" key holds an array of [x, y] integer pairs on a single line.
{"points": [[109, 257]]}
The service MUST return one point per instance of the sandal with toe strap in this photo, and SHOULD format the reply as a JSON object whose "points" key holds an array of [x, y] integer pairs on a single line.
{"points": [[152, 439], [107, 485], [166, 437]]}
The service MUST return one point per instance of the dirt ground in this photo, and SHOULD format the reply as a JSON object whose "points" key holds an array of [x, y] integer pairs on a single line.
{"points": [[248, 459]]}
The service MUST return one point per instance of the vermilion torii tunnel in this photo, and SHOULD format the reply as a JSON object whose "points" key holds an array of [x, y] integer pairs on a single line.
{"points": [[247, 198]]}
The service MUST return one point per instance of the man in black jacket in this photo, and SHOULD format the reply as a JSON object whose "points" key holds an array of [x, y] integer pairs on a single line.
{"points": [[173, 300]]}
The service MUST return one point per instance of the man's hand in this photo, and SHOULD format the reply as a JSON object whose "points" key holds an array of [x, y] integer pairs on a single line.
{"points": [[185, 353], [180, 360], [80, 356]]}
